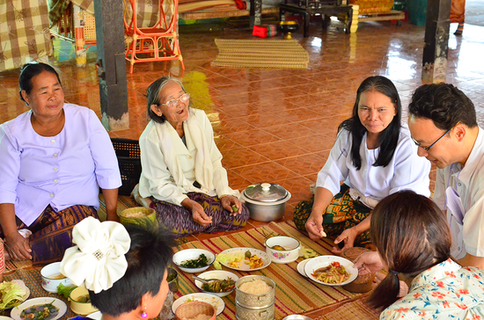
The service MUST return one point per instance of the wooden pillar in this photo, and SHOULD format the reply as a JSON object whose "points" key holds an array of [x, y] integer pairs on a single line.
{"points": [[436, 41], [111, 64], [255, 13]]}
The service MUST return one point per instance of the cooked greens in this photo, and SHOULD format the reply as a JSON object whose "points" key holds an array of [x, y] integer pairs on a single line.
{"points": [[40, 312], [219, 285], [200, 262]]}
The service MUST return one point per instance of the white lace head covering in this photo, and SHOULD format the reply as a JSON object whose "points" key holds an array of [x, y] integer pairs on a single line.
{"points": [[98, 259]]}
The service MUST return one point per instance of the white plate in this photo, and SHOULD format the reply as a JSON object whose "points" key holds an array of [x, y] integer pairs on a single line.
{"points": [[27, 290], [59, 304], [217, 274], [95, 315], [189, 254], [266, 259], [301, 265], [215, 301], [323, 261]]}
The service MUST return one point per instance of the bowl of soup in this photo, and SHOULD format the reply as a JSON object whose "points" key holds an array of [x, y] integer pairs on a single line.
{"points": [[80, 302], [283, 249], [51, 277]]}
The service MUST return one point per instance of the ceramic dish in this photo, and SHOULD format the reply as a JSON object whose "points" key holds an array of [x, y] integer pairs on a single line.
{"points": [[59, 304], [242, 266], [300, 267], [216, 302], [189, 254], [291, 247], [49, 280], [5, 318], [95, 315], [78, 307], [297, 317], [220, 275], [323, 261], [24, 297]]}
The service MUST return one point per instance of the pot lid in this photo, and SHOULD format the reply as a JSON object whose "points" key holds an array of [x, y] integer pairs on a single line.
{"points": [[265, 192]]}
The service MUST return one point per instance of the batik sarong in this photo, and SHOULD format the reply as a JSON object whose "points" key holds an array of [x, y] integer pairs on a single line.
{"points": [[342, 213], [179, 220], [52, 232]]}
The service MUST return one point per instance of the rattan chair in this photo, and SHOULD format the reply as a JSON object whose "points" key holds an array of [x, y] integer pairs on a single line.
{"points": [[153, 43]]}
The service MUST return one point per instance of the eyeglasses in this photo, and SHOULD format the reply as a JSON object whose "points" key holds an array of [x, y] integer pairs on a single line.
{"points": [[174, 102], [428, 148]]}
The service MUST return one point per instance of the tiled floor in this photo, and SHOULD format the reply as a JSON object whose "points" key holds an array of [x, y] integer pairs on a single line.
{"points": [[279, 125]]}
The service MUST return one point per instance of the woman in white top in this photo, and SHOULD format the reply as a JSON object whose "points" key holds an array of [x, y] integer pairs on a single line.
{"points": [[375, 157], [182, 175]]}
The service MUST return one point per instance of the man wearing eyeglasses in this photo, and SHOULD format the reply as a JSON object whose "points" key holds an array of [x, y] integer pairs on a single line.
{"points": [[442, 121]]}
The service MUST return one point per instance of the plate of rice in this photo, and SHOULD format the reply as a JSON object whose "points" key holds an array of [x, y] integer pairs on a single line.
{"points": [[216, 302], [244, 259]]}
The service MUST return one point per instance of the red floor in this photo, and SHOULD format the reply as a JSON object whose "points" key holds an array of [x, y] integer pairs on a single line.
{"points": [[279, 125]]}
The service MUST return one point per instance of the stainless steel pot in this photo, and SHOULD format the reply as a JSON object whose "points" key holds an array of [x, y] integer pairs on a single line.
{"points": [[266, 201]]}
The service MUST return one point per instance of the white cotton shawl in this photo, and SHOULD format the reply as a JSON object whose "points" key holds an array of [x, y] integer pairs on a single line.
{"points": [[203, 164]]}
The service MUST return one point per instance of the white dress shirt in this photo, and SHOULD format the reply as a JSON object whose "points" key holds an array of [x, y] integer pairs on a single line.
{"points": [[468, 183]]}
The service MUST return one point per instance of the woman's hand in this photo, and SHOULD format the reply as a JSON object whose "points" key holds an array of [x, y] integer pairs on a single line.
{"points": [[368, 262], [228, 202], [348, 237], [18, 247], [314, 226], [198, 214]]}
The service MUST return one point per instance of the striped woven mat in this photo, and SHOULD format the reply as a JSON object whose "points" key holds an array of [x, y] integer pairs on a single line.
{"points": [[261, 53], [294, 294]]}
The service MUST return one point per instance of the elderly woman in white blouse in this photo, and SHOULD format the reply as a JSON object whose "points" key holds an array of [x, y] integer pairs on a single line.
{"points": [[375, 157], [182, 175]]}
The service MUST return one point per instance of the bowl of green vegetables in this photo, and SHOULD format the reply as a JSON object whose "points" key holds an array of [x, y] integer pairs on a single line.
{"points": [[219, 282], [193, 260]]}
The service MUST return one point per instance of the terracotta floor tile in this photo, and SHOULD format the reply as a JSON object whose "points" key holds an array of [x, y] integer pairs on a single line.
{"points": [[264, 172], [278, 125], [304, 164], [278, 149], [251, 137]]}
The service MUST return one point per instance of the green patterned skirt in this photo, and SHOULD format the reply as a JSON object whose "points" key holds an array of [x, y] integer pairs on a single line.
{"points": [[342, 213]]}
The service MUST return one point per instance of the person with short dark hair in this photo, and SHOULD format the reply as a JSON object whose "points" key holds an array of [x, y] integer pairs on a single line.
{"points": [[374, 156], [442, 120], [413, 243], [124, 268], [54, 157], [182, 175]]}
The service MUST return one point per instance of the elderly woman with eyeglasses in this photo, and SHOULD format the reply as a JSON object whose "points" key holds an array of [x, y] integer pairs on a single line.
{"points": [[182, 175]]}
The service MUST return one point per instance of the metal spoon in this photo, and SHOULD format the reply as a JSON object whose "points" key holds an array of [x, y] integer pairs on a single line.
{"points": [[205, 280]]}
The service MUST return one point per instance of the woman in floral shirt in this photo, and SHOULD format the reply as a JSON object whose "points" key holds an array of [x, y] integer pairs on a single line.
{"points": [[413, 241]]}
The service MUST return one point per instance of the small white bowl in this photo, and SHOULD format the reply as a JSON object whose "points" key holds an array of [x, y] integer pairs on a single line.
{"points": [[48, 273], [291, 245], [219, 275], [190, 254]]}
